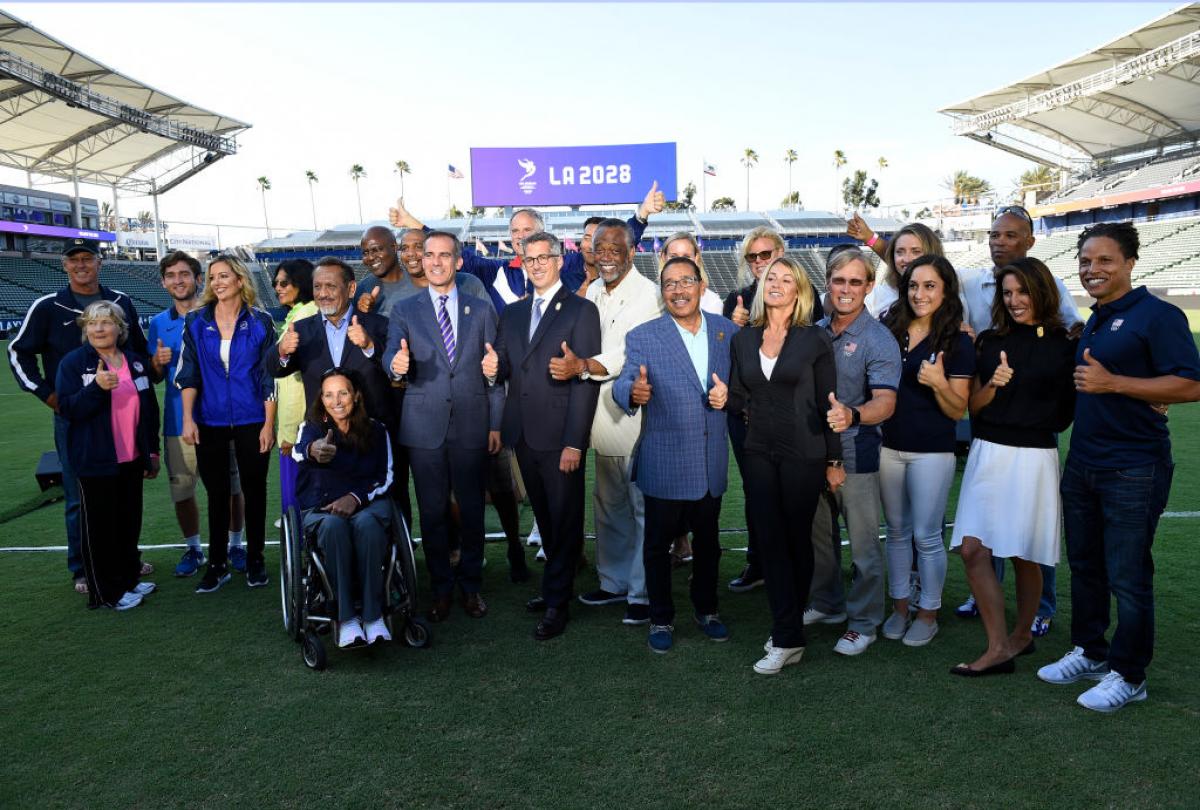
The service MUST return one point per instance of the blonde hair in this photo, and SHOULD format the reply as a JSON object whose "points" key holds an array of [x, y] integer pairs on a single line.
{"points": [[98, 311], [801, 312], [249, 298], [745, 276], [682, 236]]}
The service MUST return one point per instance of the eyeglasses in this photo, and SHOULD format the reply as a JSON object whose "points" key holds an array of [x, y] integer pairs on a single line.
{"points": [[540, 261], [1016, 210], [680, 283], [761, 256], [846, 282], [282, 282]]}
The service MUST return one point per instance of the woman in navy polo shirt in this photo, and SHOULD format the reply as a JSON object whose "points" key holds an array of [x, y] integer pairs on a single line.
{"points": [[916, 465]]}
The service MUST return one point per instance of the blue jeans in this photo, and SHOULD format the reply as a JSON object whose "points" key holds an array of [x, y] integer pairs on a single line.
{"points": [[1110, 517], [70, 485]]}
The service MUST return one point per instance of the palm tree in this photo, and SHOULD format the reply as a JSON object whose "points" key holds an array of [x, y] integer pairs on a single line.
{"points": [[311, 176], [966, 187], [839, 160], [791, 157], [1041, 180], [357, 172], [791, 201], [883, 164], [724, 204], [749, 158], [402, 168], [264, 185]]}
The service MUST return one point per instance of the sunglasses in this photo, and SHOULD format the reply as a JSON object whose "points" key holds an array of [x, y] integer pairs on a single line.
{"points": [[1016, 210], [761, 256]]}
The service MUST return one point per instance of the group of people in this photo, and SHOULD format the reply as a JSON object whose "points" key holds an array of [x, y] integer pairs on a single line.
{"points": [[488, 378]]}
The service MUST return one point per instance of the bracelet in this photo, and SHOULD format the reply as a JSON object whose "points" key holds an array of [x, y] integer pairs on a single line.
{"points": [[874, 238]]}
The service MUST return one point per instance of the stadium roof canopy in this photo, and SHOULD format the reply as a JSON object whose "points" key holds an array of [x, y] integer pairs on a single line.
{"points": [[1138, 93], [65, 115]]}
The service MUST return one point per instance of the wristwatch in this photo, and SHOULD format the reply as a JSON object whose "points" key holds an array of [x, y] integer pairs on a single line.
{"points": [[835, 463], [585, 374], [855, 417]]}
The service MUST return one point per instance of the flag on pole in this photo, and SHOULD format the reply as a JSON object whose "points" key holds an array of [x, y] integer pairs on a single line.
{"points": [[710, 170], [455, 174], [699, 243]]}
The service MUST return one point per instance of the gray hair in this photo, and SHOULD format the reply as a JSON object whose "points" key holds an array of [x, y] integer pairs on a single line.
{"points": [[99, 310], [842, 255], [618, 224], [543, 236], [745, 276], [538, 222]]}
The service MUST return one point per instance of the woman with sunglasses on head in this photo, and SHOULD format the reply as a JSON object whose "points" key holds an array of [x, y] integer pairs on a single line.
{"points": [[916, 466], [682, 243], [1023, 395], [293, 287]]}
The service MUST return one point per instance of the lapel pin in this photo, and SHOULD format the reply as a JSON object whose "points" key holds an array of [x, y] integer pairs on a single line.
{"points": [[466, 310], [720, 335], [558, 306], [1040, 332]]}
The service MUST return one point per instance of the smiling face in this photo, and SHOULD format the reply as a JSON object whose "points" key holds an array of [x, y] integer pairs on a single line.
{"points": [[1009, 239], [926, 292], [379, 251], [848, 288], [179, 281], [331, 291], [908, 248], [412, 252], [338, 398], [542, 266], [681, 290], [225, 284], [613, 257], [439, 263], [83, 271], [585, 245], [1104, 271], [102, 334], [761, 253], [285, 290], [519, 227], [779, 288], [1017, 300]]}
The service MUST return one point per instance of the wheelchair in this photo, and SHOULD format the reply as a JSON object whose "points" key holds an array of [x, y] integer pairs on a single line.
{"points": [[309, 598]]}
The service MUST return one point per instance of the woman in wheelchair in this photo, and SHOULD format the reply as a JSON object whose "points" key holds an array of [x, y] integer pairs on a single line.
{"points": [[345, 470]]}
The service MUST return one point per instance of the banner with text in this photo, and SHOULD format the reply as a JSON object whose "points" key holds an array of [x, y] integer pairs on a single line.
{"points": [[571, 175]]}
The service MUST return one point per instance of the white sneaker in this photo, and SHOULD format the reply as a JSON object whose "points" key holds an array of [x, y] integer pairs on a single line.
{"points": [[1072, 667], [535, 536], [377, 631], [145, 588], [279, 523], [767, 646], [920, 633], [1111, 693], [351, 632], [777, 658], [853, 642], [814, 616], [131, 599], [541, 555]]}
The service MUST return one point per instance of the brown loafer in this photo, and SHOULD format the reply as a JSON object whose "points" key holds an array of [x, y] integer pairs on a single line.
{"points": [[474, 605], [439, 611], [553, 623]]}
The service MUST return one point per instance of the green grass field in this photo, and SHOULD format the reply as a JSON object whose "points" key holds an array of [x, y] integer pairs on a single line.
{"points": [[203, 701]]}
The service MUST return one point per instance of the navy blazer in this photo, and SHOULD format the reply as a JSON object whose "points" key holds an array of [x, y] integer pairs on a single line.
{"points": [[312, 359], [437, 387], [547, 414], [682, 454]]}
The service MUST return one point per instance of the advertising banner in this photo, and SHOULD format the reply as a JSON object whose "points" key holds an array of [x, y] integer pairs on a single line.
{"points": [[54, 230], [571, 175]]}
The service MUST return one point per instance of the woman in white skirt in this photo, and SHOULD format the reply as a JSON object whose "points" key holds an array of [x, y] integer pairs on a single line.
{"points": [[1022, 397]]}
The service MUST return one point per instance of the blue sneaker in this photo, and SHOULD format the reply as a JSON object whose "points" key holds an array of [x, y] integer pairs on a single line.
{"points": [[1041, 626], [237, 558], [967, 610], [190, 562], [661, 638], [713, 627]]}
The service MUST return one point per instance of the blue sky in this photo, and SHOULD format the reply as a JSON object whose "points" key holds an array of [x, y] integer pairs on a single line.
{"points": [[326, 86]]}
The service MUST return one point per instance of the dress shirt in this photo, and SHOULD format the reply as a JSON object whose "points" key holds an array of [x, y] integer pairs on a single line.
{"points": [[697, 349]]}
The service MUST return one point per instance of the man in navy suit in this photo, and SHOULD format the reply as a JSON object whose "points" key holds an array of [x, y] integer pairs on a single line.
{"points": [[437, 342], [677, 369], [548, 421]]}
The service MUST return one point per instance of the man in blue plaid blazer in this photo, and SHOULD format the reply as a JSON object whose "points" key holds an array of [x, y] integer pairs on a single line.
{"points": [[677, 368]]}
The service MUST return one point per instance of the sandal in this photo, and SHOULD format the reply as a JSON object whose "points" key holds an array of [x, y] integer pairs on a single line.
{"points": [[146, 570], [81, 586]]}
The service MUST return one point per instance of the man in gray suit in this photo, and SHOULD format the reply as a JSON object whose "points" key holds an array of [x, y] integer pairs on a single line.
{"points": [[439, 343]]}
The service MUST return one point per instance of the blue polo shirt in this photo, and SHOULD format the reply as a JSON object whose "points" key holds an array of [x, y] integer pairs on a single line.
{"points": [[918, 424], [1137, 335], [167, 326]]}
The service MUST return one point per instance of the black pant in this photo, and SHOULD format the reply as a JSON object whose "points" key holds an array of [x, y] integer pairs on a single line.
{"points": [[737, 440], [400, 462], [666, 520], [111, 511], [435, 474], [783, 492], [557, 500], [212, 462]]}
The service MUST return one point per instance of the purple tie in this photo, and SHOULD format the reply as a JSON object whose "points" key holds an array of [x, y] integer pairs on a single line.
{"points": [[447, 330]]}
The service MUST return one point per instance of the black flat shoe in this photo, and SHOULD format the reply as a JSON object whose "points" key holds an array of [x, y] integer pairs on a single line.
{"points": [[1030, 649], [1006, 667]]}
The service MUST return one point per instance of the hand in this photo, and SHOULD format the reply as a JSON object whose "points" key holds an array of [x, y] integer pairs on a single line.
{"points": [[368, 302], [857, 228], [1003, 374], [1094, 378], [266, 437], [155, 465], [838, 416], [640, 393], [480, 247], [1075, 331], [401, 360], [494, 443], [52, 401], [653, 203], [289, 342], [965, 326], [189, 432], [491, 362], [718, 395], [567, 366], [835, 477], [357, 335], [741, 315], [323, 450], [106, 379], [285, 448], [933, 374], [399, 217], [161, 358], [568, 462], [344, 506]]}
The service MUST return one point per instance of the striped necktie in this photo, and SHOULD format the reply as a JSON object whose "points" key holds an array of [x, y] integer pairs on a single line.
{"points": [[536, 317], [447, 330]]}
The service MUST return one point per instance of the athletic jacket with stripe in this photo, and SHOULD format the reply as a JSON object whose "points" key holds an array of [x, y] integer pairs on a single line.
{"points": [[233, 397]]}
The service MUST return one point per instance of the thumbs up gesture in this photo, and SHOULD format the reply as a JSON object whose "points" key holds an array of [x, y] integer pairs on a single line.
{"points": [[857, 228], [357, 335], [399, 217], [838, 416], [718, 395], [653, 203], [162, 357], [104, 378], [567, 366], [741, 315], [323, 450], [640, 393], [933, 374], [289, 342], [401, 359], [1093, 378], [369, 301], [491, 362], [1003, 373]]}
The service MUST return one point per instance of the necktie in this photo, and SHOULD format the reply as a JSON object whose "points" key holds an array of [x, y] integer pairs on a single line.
{"points": [[447, 330], [536, 318]]}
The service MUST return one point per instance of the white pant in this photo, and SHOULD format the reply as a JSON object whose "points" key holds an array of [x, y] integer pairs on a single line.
{"points": [[914, 488], [620, 517]]}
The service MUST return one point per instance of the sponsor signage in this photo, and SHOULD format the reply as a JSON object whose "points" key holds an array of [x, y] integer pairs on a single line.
{"points": [[571, 175], [142, 241], [1119, 198], [30, 229]]}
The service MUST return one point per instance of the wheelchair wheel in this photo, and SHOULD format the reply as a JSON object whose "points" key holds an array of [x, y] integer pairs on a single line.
{"points": [[417, 634], [314, 651], [406, 559], [291, 573]]}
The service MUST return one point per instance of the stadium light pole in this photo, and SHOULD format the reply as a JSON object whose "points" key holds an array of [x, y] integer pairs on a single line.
{"points": [[158, 245]]}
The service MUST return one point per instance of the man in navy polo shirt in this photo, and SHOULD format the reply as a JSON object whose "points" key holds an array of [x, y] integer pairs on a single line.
{"points": [[1136, 352]]}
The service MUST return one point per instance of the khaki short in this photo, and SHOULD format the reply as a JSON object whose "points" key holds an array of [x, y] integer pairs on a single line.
{"points": [[181, 469]]}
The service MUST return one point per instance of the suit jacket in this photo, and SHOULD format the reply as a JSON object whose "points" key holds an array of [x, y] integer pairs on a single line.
{"points": [[437, 387], [683, 453], [312, 359], [547, 414]]}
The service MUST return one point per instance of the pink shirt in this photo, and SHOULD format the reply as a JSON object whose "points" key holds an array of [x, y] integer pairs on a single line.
{"points": [[126, 408]]}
